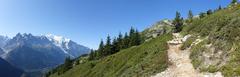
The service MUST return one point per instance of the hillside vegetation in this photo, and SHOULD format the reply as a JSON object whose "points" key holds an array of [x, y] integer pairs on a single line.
{"points": [[219, 48], [139, 61], [213, 42]]}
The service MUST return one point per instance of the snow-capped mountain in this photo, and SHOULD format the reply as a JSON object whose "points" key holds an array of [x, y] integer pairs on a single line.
{"points": [[68, 46], [35, 53], [1, 51], [58, 40], [3, 40]]}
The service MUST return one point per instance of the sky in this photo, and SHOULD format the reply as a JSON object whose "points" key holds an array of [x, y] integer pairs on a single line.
{"points": [[88, 21]]}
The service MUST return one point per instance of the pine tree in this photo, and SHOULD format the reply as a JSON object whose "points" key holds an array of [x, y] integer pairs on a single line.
{"points": [[234, 1], [68, 63], [178, 22], [108, 46], [120, 41], [131, 32], [201, 15], [209, 12], [137, 38], [91, 55], [100, 49], [77, 62], [220, 7], [190, 15], [132, 36], [66, 66], [114, 46], [126, 41]]}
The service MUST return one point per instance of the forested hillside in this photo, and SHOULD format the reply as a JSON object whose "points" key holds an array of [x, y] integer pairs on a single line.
{"points": [[143, 60]]}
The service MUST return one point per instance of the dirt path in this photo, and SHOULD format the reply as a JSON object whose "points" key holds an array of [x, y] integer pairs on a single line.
{"points": [[181, 65]]}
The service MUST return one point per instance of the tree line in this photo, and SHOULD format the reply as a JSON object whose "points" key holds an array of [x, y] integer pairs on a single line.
{"points": [[133, 38], [179, 21]]}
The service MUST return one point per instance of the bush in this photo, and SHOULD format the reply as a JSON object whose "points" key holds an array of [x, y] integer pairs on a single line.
{"points": [[227, 71], [212, 68], [188, 43], [196, 52]]}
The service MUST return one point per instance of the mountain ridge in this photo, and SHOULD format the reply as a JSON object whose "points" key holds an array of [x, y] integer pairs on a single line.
{"points": [[44, 52]]}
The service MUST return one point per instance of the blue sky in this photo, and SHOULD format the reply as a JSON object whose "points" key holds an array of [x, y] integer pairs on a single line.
{"points": [[89, 21]]}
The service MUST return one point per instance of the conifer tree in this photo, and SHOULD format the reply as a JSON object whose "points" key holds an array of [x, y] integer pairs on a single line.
{"points": [[66, 66], [201, 15], [92, 55], [68, 63], [132, 36], [126, 41], [108, 47], [178, 22], [101, 49], [114, 46], [220, 7], [137, 38], [120, 41], [190, 15], [234, 1], [131, 32], [209, 12], [77, 62]]}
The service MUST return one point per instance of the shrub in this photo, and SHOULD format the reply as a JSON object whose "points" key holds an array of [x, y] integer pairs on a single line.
{"points": [[188, 43]]}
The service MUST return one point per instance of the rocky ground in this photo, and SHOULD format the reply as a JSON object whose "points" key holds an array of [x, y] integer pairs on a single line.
{"points": [[180, 63]]}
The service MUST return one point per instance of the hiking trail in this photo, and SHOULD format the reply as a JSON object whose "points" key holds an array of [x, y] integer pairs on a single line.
{"points": [[180, 63]]}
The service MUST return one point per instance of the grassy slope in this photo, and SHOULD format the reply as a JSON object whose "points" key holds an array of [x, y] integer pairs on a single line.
{"points": [[140, 61], [223, 29]]}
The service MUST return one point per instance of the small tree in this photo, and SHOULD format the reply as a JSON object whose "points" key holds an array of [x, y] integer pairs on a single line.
{"points": [[234, 1], [101, 49], [77, 62], [68, 63], [91, 55], [138, 39], [108, 46], [120, 41], [201, 15], [190, 16], [220, 7], [132, 37], [178, 22], [126, 41], [209, 12], [114, 46], [66, 66]]}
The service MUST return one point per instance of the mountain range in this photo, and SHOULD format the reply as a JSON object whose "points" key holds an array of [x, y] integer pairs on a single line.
{"points": [[36, 54]]}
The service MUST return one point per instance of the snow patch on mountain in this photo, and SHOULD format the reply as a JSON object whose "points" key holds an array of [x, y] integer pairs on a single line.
{"points": [[59, 41], [3, 40], [67, 46]]}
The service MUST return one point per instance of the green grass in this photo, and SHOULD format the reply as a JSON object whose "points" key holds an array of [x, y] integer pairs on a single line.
{"points": [[196, 51], [222, 29], [232, 68], [188, 42], [139, 61]]}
